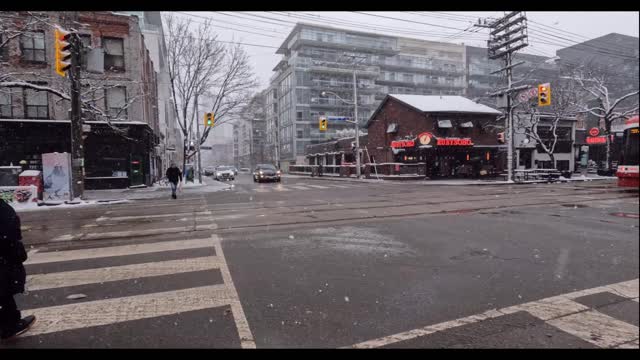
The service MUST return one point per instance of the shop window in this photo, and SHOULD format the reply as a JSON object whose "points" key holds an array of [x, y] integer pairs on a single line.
{"points": [[562, 165], [6, 108], [32, 46], [392, 128], [113, 54], [36, 104]]}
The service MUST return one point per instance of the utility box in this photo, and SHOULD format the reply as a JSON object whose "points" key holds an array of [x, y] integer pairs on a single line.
{"points": [[32, 177], [9, 175]]}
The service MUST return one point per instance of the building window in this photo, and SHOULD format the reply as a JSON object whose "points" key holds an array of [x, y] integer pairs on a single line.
{"points": [[36, 104], [113, 54], [299, 115], [407, 77], [6, 110], [4, 50], [32, 46], [115, 102]]}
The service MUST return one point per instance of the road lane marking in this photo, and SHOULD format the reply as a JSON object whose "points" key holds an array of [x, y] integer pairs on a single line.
{"points": [[133, 233], [300, 187], [282, 188], [105, 218], [115, 273], [318, 186], [597, 328], [261, 190], [101, 252], [548, 309], [246, 337], [104, 312]]}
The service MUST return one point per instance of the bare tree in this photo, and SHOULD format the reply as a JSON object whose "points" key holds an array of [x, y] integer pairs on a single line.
{"points": [[598, 100], [543, 126], [201, 68]]}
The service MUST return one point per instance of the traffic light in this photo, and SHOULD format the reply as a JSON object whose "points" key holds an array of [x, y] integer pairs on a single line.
{"points": [[323, 124], [544, 94], [209, 119], [501, 137], [62, 47]]}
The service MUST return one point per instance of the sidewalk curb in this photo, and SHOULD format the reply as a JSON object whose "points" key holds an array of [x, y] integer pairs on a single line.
{"points": [[437, 183]]}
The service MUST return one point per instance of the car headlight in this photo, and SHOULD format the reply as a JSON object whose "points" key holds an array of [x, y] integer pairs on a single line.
{"points": [[278, 172], [261, 173], [218, 174]]}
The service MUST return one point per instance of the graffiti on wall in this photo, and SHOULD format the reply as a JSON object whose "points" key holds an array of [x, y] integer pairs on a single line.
{"points": [[19, 195]]}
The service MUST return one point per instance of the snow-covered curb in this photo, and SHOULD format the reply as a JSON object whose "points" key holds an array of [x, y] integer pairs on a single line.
{"points": [[63, 205], [330, 178]]}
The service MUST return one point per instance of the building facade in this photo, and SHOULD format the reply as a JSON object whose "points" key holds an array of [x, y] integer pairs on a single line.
{"points": [[121, 114], [170, 148], [443, 136], [320, 58]]}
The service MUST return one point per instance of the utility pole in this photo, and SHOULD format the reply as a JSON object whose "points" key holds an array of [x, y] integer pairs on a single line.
{"points": [[198, 139], [506, 36], [355, 115], [77, 143]]}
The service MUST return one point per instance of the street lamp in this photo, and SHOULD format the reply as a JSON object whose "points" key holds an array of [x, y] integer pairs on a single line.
{"points": [[355, 121]]}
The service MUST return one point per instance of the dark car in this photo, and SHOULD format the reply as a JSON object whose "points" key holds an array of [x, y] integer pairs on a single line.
{"points": [[266, 172]]}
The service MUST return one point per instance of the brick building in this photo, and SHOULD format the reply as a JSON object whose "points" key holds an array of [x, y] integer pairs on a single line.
{"points": [[442, 136], [119, 152]]}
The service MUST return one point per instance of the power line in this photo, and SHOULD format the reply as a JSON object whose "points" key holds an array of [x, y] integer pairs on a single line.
{"points": [[228, 22]]}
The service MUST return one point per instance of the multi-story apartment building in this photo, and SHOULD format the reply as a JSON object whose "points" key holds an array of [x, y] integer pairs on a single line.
{"points": [[119, 152], [170, 148], [320, 58], [242, 143]]}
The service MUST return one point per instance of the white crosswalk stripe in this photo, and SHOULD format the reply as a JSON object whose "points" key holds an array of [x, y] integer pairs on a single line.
{"points": [[318, 186], [304, 187], [559, 311], [75, 316]]}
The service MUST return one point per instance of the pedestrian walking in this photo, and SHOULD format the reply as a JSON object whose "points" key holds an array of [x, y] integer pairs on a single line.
{"points": [[12, 274], [174, 176]]}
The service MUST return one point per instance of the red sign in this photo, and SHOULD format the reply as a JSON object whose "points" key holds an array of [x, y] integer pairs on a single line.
{"points": [[454, 142], [596, 139], [594, 131], [403, 143]]}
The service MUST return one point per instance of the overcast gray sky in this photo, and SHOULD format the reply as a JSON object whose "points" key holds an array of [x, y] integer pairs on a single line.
{"points": [[548, 31]]}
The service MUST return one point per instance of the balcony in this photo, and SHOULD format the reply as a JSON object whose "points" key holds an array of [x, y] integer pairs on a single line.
{"points": [[342, 86], [414, 84], [364, 46], [343, 69]]}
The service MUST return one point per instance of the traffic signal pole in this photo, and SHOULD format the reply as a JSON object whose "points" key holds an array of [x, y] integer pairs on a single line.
{"points": [[198, 141], [77, 143]]}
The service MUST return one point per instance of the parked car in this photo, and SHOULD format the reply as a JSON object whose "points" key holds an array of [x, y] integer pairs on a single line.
{"points": [[235, 170], [209, 170], [266, 172], [224, 173]]}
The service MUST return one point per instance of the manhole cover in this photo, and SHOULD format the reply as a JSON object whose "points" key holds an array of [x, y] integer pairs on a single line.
{"points": [[575, 205], [626, 215]]}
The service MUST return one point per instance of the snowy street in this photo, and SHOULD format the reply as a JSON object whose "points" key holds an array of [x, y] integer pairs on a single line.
{"points": [[321, 263]]}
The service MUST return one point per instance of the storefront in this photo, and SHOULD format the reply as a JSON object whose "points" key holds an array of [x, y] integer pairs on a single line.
{"points": [[115, 157], [444, 136], [445, 157]]}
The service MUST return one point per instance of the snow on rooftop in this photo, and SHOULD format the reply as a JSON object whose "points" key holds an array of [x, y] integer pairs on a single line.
{"points": [[30, 173], [444, 103]]}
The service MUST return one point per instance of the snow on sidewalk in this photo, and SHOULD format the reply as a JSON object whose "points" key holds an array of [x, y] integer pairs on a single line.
{"points": [[118, 196]]}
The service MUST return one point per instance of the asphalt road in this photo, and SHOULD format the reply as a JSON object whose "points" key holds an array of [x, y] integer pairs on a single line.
{"points": [[327, 263]]}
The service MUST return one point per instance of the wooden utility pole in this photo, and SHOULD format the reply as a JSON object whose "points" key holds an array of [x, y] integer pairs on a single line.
{"points": [[507, 35]]}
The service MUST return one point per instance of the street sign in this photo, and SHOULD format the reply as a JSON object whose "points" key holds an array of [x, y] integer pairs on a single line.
{"points": [[338, 118]]}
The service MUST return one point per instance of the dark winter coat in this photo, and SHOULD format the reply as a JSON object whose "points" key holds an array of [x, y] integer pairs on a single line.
{"points": [[174, 174], [12, 252]]}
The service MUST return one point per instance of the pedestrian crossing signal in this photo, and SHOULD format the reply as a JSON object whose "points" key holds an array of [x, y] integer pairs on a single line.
{"points": [[323, 124], [544, 95], [209, 119]]}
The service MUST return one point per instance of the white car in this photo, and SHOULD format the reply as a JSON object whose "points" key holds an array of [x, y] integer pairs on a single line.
{"points": [[224, 173]]}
